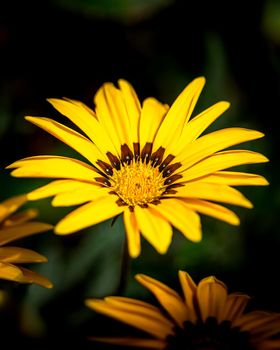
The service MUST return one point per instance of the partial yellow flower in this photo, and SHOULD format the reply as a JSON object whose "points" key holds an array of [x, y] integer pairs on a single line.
{"points": [[13, 227], [147, 163], [206, 317]]}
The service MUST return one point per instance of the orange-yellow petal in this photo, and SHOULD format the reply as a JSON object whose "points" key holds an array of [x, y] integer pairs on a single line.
{"points": [[135, 313], [53, 167], [132, 233], [220, 161], [89, 214], [212, 209], [213, 192], [182, 217], [12, 233], [156, 230], [10, 205], [211, 297], [178, 114], [70, 137], [20, 255], [167, 297], [189, 289]]}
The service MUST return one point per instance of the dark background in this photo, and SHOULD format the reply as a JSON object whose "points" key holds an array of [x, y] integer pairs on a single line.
{"points": [[69, 48]]}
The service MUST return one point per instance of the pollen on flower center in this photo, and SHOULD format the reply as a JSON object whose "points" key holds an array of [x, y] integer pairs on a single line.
{"points": [[138, 183]]}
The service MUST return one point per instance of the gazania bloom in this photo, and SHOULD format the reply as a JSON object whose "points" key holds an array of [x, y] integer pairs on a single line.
{"points": [[13, 227], [205, 318], [147, 163]]}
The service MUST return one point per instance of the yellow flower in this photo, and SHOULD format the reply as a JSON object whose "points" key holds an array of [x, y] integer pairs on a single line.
{"points": [[13, 227], [205, 318], [147, 163]]}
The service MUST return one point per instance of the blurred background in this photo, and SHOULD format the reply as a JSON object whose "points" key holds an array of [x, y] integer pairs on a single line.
{"points": [[69, 48]]}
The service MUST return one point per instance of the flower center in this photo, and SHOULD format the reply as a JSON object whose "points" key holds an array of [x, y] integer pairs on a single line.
{"points": [[209, 335], [139, 177], [138, 183]]}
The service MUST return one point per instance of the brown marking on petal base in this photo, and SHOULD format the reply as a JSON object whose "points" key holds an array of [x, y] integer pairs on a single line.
{"points": [[172, 179], [126, 154], [166, 161], [103, 180], [115, 162], [169, 192], [156, 202], [105, 167], [120, 202], [144, 205], [136, 149], [157, 156], [131, 208], [113, 192], [146, 152], [170, 169]]}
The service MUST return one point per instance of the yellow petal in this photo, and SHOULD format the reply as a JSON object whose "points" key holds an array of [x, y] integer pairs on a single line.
{"points": [[213, 192], [212, 143], [235, 306], [85, 193], [212, 209], [13, 233], [132, 233], [20, 218], [179, 114], [53, 188], [80, 104], [53, 167], [88, 215], [135, 342], [152, 115], [112, 115], [129, 311], [189, 290], [20, 255], [70, 137], [156, 230], [29, 276], [10, 205], [212, 296], [133, 107], [167, 297], [273, 344], [220, 161], [197, 125], [235, 178], [86, 122], [9, 272], [22, 275], [259, 323], [180, 216]]}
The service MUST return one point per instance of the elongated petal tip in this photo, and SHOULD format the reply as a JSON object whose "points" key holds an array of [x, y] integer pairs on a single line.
{"points": [[10, 166], [140, 277], [235, 221], [248, 205], [201, 80], [29, 118], [197, 238], [52, 100], [61, 230], [45, 227], [48, 285], [212, 280], [225, 104], [92, 303], [134, 253]]}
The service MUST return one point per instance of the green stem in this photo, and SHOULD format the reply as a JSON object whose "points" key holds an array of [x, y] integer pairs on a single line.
{"points": [[124, 269]]}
